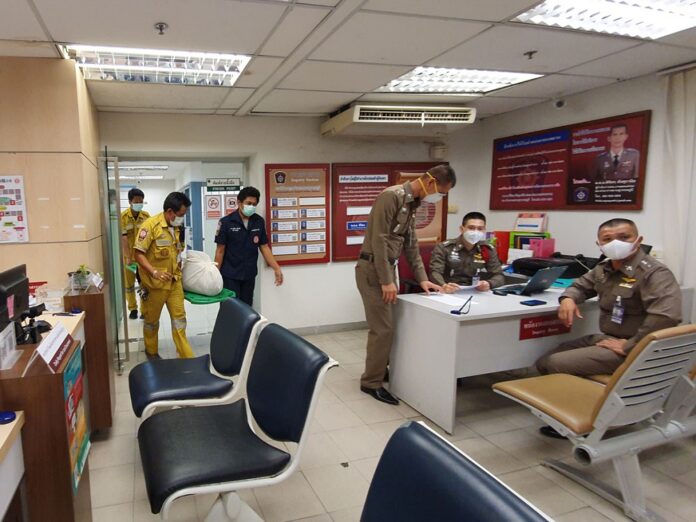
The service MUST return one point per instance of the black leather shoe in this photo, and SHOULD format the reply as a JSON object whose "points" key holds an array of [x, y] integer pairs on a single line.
{"points": [[133, 314], [381, 395], [548, 431]]}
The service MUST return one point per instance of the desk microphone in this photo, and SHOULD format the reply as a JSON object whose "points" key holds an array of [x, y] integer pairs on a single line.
{"points": [[459, 312]]}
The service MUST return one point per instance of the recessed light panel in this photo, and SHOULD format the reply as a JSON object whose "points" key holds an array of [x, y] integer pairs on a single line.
{"points": [[440, 80], [157, 66], [650, 19]]}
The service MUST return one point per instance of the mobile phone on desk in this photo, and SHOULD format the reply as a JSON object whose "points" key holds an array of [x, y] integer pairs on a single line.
{"points": [[532, 302]]}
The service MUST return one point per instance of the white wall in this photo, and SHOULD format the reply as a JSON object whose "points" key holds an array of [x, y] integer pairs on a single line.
{"points": [[471, 153], [155, 192], [312, 295]]}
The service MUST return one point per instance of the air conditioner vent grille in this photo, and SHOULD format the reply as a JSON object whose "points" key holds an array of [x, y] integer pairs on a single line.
{"points": [[415, 115]]}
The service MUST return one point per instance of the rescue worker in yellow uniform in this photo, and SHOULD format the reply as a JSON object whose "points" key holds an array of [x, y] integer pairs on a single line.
{"points": [[131, 219], [158, 253]]}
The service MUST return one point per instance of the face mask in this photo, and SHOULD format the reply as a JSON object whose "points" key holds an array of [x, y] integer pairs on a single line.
{"points": [[430, 198], [137, 207], [248, 210], [617, 250], [177, 221], [474, 236]]}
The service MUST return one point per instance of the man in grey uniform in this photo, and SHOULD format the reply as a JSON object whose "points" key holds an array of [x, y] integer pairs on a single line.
{"points": [[391, 229], [459, 261], [617, 163], [637, 295]]}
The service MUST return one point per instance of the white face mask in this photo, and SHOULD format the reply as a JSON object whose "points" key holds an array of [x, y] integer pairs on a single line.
{"points": [[433, 198], [617, 250], [474, 236], [177, 221]]}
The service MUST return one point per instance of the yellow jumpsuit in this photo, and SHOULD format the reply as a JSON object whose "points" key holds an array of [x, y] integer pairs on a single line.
{"points": [[129, 228], [160, 244]]}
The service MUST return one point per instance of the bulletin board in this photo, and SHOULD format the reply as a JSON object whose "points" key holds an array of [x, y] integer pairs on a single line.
{"points": [[593, 165], [297, 203], [355, 186]]}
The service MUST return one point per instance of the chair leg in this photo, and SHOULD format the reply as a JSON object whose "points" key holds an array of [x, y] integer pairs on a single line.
{"points": [[228, 507], [630, 499]]}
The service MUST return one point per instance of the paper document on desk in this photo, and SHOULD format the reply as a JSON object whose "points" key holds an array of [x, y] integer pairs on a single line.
{"points": [[449, 299]]}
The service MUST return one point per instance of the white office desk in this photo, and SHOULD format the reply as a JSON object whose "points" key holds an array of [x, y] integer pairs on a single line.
{"points": [[11, 460], [432, 347]]}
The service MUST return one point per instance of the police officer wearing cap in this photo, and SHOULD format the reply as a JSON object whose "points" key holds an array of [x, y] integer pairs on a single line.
{"points": [[158, 249], [468, 259], [239, 237], [618, 163], [390, 230]]}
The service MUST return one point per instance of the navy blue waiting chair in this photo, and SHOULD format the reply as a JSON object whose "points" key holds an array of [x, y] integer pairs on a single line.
{"points": [[205, 380], [217, 449], [421, 477]]}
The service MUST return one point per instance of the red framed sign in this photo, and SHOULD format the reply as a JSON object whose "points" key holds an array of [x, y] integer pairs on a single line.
{"points": [[297, 203], [594, 165], [355, 186]]}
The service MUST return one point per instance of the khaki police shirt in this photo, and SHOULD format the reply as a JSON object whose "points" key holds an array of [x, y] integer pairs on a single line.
{"points": [[626, 166], [391, 228], [649, 294], [452, 262], [160, 244], [130, 225]]}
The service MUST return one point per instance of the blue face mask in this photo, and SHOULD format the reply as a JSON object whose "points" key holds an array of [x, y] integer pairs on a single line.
{"points": [[248, 210], [137, 207]]}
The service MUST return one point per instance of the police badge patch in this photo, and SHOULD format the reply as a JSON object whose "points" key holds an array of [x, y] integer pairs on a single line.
{"points": [[143, 234]]}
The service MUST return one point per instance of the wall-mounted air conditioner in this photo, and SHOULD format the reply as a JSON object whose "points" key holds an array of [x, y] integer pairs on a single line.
{"points": [[398, 120]]}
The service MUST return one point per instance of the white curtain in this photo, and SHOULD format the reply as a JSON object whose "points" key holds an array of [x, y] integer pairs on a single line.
{"points": [[679, 178]]}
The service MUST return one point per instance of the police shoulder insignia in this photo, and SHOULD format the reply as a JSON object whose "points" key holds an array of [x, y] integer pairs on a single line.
{"points": [[143, 234]]}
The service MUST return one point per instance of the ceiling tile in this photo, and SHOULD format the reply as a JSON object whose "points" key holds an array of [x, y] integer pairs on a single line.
{"points": [[347, 77], [504, 47], [159, 111], [394, 39], [644, 59], [317, 102], [258, 70], [154, 96], [206, 25], [28, 49], [686, 38], [18, 22], [554, 85], [236, 97], [294, 28], [418, 99], [470, 10], [490, 105]]}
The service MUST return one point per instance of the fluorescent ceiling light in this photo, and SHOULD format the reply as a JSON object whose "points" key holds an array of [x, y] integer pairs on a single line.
{"points": [[649, 19], [141, 167], [146, 177], [157, 66], [464, 82]]}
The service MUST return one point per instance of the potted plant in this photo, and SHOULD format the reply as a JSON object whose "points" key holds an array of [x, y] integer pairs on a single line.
{"points": [[79, 279]]}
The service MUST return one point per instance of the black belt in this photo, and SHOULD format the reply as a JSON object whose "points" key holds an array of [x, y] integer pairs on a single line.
{"points": [[371, 258]]}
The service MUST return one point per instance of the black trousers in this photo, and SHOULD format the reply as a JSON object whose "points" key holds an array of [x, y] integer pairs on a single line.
{"points": [[243, 288]]}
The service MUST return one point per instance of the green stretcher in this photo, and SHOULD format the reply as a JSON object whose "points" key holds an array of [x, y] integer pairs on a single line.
{"points": [[199, 299]]}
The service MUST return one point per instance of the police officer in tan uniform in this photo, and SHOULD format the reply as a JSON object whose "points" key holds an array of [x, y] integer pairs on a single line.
{"points": [[618, 162], [158, 252], [390, 230], [467, 259], [637, 295], [131, 219]]}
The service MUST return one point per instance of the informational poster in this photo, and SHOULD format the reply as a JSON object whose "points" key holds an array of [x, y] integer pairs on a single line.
{"points": [[13, 210], [595, 165], [213, 206], [75, 416], [297, 203], [230, 203], [355, 186]]}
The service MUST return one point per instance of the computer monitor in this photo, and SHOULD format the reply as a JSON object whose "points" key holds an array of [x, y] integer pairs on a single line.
{"points": [[14, 295]]}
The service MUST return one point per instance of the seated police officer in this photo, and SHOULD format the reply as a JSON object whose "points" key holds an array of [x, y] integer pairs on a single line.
{"points": [[462, 260]]}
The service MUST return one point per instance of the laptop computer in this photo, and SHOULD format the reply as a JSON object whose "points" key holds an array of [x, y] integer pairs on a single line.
{"points": [[539, 282]]}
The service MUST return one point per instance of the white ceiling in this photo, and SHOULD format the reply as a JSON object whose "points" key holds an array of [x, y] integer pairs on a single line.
{"points": [[313, 57]]}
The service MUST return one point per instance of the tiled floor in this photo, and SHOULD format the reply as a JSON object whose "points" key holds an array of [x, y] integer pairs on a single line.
{"points": [[348, 435]]}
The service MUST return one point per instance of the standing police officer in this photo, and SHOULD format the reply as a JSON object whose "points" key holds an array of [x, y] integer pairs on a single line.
{"points": [[462, 260], [390, 230], [239, 237], [131, 219], [158, 252]]}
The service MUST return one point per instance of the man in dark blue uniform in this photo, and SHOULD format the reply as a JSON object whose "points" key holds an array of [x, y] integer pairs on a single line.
{"points": [[239, 237]]}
